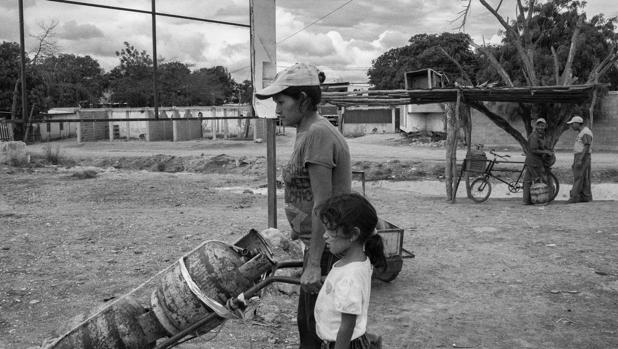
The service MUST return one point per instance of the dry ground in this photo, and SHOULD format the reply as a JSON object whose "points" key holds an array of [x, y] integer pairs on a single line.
{"points": [[491, 275]]}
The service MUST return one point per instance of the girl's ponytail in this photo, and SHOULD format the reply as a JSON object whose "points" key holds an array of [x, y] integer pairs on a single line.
{"points": [[374, 249]]}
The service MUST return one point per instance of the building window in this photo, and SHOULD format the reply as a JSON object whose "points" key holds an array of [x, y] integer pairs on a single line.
{"points": [[62, 126], [48, 127]]}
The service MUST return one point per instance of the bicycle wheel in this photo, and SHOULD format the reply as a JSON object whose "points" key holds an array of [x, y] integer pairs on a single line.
{"points": [[554, 185], [480, 189]]}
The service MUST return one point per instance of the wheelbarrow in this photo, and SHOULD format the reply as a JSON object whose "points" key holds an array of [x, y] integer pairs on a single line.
{"points": [[392, 237]]}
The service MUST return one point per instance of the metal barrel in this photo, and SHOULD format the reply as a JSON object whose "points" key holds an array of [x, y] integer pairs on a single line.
{"points": [[215, 271], [115, 326]]}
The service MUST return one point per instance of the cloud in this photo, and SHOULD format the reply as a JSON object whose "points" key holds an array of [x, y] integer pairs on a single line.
{"points": [[73, 31]]}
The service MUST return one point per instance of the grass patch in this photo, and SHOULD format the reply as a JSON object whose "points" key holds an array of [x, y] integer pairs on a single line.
{"points": [[52, 153]]}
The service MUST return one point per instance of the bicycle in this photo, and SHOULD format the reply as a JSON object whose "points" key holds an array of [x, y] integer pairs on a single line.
{"points": [[480, 187]]}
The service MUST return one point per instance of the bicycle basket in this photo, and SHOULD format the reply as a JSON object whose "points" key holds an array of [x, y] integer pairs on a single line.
{"points": [[476, 160]]}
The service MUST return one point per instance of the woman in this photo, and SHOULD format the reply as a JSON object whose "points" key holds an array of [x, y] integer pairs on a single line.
{"points": [[319, 168]]}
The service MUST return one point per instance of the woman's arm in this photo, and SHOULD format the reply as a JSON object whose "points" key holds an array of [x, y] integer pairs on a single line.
{"points": [[321, 187], [344, 336]]}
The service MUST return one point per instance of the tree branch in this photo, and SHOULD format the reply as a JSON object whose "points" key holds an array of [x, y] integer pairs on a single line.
{"points": [[517, 41], [500, 122], [496, 64], [461, 70], [554, 55], [567, 77], [602, 68]]}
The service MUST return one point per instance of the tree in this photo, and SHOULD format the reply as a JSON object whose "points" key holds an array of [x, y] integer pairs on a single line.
{"points": [[174, 84], [9, 73], [131, 81], [211, 86], [71, 80], [423, 51], [548, 44]]}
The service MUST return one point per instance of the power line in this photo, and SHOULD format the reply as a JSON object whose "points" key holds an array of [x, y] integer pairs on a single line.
{"points": [[71, 2], [314, 22]]}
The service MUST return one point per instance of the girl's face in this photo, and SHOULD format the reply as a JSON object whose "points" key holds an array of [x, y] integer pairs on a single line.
{"points": [[288, 110], [335, 241]]}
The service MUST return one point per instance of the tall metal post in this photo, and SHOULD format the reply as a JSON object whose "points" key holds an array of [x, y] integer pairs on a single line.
{"points": [[24, 99], [154, 61], [263, 68]]}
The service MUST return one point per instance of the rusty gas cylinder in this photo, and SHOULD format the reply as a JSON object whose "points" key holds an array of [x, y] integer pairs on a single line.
{"points": [[115, 326], [216, 271]]}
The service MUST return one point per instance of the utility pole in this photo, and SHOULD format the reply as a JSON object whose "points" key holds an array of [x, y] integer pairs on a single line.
{"points": [[24, 100], [154, 61]]}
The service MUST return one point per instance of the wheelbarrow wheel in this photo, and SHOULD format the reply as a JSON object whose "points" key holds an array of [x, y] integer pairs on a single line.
{"points": [[393, 267]]}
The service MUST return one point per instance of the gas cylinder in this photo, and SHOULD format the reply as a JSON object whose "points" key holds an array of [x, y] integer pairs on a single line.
{"points": [[220, 271], [539, 193], [115, 326], [195, 287]]}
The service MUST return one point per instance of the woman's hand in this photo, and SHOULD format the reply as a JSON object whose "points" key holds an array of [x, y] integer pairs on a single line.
{"points": [[311, 281]]}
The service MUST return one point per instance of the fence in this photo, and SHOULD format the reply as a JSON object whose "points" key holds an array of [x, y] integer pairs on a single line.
{"points": [[6, 131]]}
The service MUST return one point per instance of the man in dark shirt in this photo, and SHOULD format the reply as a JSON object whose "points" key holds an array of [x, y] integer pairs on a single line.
{"points": [[538, 151]]}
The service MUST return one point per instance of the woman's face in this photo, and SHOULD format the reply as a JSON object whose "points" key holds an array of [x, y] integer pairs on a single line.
{"points": [[288, 110]]}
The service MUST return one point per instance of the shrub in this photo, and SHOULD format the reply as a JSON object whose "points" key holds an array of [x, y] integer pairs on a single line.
{"points": [[52, 153]]}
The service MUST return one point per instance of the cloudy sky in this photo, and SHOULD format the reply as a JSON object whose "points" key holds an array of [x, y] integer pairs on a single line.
{"points": [[342, 37]]}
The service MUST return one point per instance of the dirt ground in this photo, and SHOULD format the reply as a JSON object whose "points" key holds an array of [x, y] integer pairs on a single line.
{"points": [[80, 234]]}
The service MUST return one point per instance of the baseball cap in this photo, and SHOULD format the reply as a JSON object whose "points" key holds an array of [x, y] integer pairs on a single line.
{"points": [[576, 118], [541, 120], [300, 74]]}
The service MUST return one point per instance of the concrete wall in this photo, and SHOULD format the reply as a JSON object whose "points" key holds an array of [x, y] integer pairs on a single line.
{"points": [[210, 128], [605, 129], [159, 130], [365, 128], [363, 120]]}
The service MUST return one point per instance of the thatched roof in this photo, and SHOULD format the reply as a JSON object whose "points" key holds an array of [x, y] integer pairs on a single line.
{"points": [[536, 94]]}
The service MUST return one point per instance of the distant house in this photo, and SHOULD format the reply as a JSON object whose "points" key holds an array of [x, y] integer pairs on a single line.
{"points": [[361, 119], [48, 131], [424, 118]]}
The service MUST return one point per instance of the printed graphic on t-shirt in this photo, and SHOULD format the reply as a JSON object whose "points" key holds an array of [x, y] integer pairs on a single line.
{"points": [[298, 197]]}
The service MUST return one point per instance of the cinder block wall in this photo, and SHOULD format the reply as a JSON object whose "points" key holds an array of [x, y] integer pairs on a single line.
{"points": [[92, 131], [605, 129], [160, 130], [186, 129]]}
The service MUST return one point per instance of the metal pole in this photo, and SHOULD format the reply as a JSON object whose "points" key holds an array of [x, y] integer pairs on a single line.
{"points": [[24, 100], [154, 60]]}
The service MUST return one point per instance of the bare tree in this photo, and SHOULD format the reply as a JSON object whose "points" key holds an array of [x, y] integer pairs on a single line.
{"points": [[46, 46]]}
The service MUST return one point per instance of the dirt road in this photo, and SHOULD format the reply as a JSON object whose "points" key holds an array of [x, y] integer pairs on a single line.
{"points": [[492, 275]]}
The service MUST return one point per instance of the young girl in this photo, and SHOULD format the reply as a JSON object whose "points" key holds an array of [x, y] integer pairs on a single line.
{"points": [[343, 301]]}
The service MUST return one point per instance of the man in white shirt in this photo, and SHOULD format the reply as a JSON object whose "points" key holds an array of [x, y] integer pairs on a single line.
{"points": [[581, 161]]}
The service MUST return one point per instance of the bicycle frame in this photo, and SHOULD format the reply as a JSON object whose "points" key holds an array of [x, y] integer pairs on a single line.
{"points": [[513, 185]]}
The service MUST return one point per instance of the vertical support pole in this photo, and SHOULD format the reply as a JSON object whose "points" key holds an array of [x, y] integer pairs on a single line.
{"points": [[214, 123], [271, 155], [22, 66], [225, 125], [263, 69], [154, 61], [393, 118]]}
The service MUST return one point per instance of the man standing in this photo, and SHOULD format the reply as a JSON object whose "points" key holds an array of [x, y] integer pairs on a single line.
{"points": [[537, 152], [581, 161]]}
